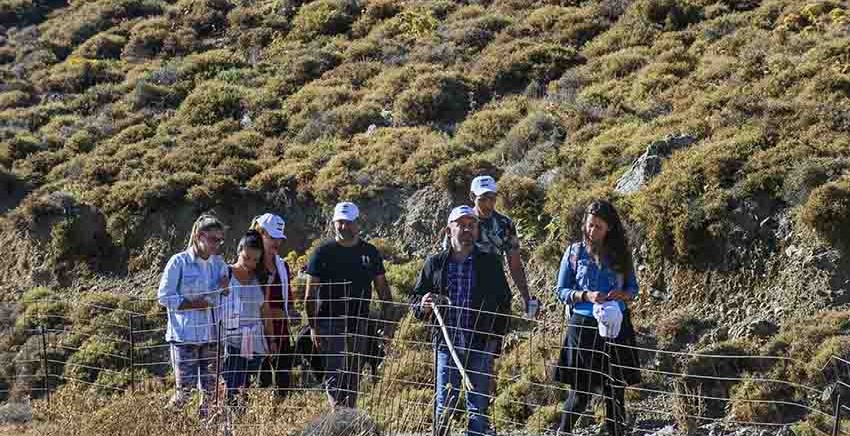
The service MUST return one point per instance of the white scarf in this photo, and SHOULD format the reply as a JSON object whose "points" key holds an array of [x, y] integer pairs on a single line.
{"points": [[284, 283]]}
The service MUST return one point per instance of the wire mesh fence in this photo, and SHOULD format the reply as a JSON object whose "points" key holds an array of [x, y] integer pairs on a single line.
{"points": [[387, 366]]}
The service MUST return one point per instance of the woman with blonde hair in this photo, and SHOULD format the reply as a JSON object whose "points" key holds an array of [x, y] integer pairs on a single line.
{"points": [[188, 290], [278, 312]]}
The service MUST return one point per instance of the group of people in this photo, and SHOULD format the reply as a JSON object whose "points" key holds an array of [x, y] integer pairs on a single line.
{"points": [[464, 286]]}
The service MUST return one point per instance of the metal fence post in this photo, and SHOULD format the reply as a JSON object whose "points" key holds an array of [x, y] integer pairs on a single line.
{"points": [[132, 355], [217, 360], [44, 363], [611, 381], [836, 425]]}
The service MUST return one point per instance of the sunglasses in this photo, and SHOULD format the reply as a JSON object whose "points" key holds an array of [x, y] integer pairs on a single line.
{"points": [[213, 240]]}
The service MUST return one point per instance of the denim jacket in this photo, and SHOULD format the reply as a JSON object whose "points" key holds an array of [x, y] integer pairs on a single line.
{"points": [[588, 276], [183, 280]]}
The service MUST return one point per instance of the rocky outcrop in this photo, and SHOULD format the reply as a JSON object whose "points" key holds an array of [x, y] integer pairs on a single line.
{"points": [[648, 165]]}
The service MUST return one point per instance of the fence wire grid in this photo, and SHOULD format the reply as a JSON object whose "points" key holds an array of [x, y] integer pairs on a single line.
{"points": [[389, 367]]}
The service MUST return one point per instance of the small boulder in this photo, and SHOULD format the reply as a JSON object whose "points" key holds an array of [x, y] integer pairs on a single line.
{"points": [[761, 328], [342, 421], [648, 165]]}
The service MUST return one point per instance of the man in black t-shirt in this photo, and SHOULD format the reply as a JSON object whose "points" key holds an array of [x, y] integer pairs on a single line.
{"points": [[341, 273]]}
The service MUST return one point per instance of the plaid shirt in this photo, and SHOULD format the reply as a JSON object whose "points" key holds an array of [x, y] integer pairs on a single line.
{"points": [[461, 278]]}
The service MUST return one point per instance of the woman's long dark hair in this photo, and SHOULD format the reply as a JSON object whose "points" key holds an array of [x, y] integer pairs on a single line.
{"points": [[253, 239], [616, 244]]}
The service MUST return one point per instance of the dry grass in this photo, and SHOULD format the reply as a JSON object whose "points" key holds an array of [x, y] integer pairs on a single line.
{"points": [[688, 406]]}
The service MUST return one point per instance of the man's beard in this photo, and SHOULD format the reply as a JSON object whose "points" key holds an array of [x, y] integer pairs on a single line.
{"points": [[345, 235]]}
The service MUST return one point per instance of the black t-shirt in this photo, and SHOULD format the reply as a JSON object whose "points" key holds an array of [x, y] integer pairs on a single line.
{"points": [[333, 264]]}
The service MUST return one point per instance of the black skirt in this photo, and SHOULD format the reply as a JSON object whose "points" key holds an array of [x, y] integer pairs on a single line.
{"points": [[583, 362]]}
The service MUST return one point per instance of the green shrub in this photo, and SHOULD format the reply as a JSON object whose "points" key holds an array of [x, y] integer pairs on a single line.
{"points": [[523, 199], [764, 401], [312, 101], [87, 19], [373, 12], [438, 97], [369, 167], [808, 175], [133, 134], [643, 21], [355, 74], [21, 13], [210, 102], [824, 364], [156, 35], [566, 25], [707, 364], [391, 82], [147, 95], [456, 176], [12, 99], [82, 141], [483, 129], [692, 196], [41, 307], [297, 64], [544, 418], [205, 17], [95, 355], [102, 46], [534, 129], [342, 121], [433, 152], [324, 17], [827, 211], [408, 26], [149, 192], [207, 65], [402, 277], [76, 74], [23, 145], [215, 189], [510, 67]]}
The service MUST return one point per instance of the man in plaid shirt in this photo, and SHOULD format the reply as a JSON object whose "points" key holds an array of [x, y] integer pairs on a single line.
{"points": [[470, 288]]}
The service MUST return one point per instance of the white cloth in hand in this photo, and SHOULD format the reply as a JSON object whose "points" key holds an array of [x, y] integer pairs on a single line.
{"points": [[609, 318]]}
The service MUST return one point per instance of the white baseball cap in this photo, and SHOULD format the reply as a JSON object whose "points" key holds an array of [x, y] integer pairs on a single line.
{"points": [[346, 210], [272, 224], [482, 185], [460, 212]]}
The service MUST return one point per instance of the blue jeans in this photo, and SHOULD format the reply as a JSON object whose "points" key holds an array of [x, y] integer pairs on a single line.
{"points": [[236, 371], [478, 365]]}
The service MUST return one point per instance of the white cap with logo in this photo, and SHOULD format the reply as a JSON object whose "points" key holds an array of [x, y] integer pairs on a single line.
{"points": [[346, 210], [272, 224], [482, 185], [460, 212]]}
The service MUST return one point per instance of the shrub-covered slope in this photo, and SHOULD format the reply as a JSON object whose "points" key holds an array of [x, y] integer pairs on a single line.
{"points": [[143, 112]]}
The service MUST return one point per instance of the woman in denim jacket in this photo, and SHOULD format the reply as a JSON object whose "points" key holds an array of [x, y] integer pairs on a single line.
{"points": [[187, 289], [597, 270]]}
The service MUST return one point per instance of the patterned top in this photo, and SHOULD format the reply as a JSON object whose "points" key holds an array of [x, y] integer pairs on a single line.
{"points": [[461, 278], [498, 235]]}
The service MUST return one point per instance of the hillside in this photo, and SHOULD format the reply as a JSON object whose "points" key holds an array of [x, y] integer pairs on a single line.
{"points": [[720, 128]]}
